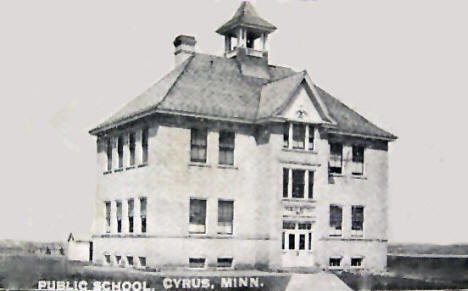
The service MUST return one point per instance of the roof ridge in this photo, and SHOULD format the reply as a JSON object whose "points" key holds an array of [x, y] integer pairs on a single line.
{"points": [[285, 77], [282, 79], [281, 107]]}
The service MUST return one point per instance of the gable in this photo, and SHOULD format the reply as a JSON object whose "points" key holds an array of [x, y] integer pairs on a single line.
{"points": [[301, 108]]}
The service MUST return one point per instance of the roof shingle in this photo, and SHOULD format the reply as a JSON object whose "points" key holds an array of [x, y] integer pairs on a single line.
{"points": [[215, 87]]}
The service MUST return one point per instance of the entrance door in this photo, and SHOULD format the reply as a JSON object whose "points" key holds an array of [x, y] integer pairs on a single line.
{"points": [[297, 244]]}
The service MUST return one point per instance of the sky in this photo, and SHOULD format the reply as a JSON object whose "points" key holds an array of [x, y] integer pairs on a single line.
{"points": [[67, 65]]}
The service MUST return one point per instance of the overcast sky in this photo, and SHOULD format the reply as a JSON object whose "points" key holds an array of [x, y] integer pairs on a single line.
{"points": [[67, 65]]}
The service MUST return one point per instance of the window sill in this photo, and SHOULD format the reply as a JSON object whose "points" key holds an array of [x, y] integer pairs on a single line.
{"points": [[361, 177], [118, 170], [225, 268], [224, 234], [130, 167], [335, 175], [304, 151], [199, 164], [196, 234], [299, 200], [142, 165], [232, 167], [335, 268], [107, 172]]}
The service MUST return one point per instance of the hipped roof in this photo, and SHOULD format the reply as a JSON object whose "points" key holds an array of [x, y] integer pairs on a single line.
{"points": [[214, 87]]}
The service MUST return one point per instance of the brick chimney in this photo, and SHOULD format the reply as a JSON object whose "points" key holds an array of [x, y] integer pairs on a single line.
{"points": [[184, 48]]}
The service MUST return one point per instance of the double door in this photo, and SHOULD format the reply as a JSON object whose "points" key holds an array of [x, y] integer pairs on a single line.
{"points": [[297, 244]]}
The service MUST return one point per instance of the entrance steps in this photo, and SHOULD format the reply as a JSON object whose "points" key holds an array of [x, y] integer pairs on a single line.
{"points": [[320, 281]]}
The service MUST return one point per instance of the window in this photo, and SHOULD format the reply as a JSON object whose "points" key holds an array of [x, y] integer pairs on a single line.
{"points": [[119, 216], [291, 242], [305, 225], [310, 240], [108, 216], [311, 185], [131, 206], [289, 225], [298, 183], [334, 262], [310, 146], [131, 147], [107, 259], [356, 262], [224, 263], [285, 182], [282, 240], [226, 148], [144, 145], [302, 241], [130, 260], [302, 136], [197, 263], [336, 217], [118, 259], [297, 188], [198, 145], [225, 217], [142, 261], [197, 219], [109, 154], [357, 213], [143, 207], [299, 136], [336, 157], [120, 151], [286, 135], [358, 160]]}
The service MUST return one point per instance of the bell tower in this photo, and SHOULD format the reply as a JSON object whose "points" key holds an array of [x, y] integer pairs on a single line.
{"points": [[246, 32]]}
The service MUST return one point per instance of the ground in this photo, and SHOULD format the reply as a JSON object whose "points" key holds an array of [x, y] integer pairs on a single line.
{"points": [[25, 270]]}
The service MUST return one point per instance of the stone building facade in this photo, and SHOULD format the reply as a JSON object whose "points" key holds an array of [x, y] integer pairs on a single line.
{"points": [[231, 162]]}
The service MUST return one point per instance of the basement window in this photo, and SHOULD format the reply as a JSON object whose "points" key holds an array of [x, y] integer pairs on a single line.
{"points": [[107, 259], [356, 262], [334, 262], [130, 260], [118, 259], [196, 263], [224, 263], [142, 261]]}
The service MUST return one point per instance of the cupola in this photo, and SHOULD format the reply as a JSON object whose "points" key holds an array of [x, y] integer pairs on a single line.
{"points": [[246, 31]]}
